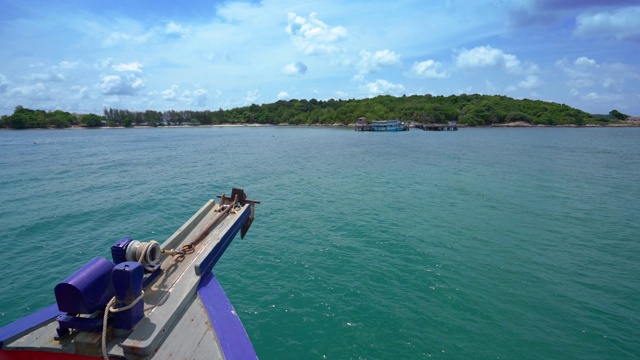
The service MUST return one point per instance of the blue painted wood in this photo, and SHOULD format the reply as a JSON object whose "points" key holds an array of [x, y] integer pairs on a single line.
{"points": [[87, 290], [206, 265], [233, 338], [28, 323]]}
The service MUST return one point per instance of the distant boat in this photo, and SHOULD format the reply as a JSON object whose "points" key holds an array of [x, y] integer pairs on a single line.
{"points": [[387, 125], [151, 301]]}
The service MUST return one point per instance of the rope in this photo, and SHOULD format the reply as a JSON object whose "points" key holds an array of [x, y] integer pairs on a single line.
{"points": [[110, 308], [141, 251], [190, 247]]}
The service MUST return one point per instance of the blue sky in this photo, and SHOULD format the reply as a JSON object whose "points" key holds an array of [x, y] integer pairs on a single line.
{"points": [[85, 55]]}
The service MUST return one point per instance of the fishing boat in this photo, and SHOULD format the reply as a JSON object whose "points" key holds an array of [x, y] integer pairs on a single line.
{"points": [[386, 125], [150, 301], [389, 125]]}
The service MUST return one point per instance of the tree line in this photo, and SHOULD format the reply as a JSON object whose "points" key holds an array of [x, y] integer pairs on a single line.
{"points": [[471, 110]]}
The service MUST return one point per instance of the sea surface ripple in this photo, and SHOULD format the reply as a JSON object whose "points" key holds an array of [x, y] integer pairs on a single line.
{"points": [[480, 243]]}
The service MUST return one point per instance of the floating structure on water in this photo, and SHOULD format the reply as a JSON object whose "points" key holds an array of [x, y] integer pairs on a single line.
{"points": [[451, 126], [151, 301], [387, 125]]}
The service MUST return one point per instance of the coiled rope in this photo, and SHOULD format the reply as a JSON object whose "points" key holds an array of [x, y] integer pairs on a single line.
{"points": [[141, 251]]}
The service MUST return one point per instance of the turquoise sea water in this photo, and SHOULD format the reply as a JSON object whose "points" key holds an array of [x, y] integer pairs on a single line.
{"points": [[481, 243]]}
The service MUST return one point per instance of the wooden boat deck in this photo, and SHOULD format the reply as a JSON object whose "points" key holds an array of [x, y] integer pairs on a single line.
{"points": [[175, 315]]}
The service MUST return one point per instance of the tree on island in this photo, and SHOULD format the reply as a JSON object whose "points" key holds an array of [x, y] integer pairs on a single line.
{"points": [[470, 110], [618, 115]]}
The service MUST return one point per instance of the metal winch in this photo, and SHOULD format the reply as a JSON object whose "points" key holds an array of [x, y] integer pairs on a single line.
{"points": [[127, 249]]}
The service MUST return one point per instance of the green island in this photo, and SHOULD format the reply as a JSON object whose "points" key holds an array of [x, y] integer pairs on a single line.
{"points": [[466, 110]]}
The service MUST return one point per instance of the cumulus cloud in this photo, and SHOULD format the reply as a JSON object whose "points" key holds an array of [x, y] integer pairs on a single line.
{"points": [[599, 97], [380, 87], [531, 82], [584, 61], [120, 85], [585, 73], [193, 98], [342, 95], [175, 29], [80, 92], [197, 97], [134, 67], [428, 69], [251, 97], [373, 62], [283, 95], [38, 91], [580, 68], [621, 24], [486, 56], [312, 36], [296, 68], [170, 94]]}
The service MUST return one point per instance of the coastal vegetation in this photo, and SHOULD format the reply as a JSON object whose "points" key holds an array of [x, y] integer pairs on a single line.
{"points": [[470, 110]]}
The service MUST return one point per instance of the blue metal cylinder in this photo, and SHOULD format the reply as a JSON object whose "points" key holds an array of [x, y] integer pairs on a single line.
{"points": [[87, 290], [119, 250], [127, 285]]}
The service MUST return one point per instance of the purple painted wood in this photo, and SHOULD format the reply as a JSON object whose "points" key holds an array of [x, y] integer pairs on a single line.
{"points": [[231, 334]]}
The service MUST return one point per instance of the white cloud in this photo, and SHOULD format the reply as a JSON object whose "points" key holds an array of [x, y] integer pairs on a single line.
{"points": [[283, 95], [175, 29], [342, 95], [120, 85], [584, 61], [428, 69], [487, 56], [235, 46], [312, 35], [38, 91], [385, 58], [585, 72], [571, 70], [197, 97], [603, 98], [81, 92], [380, 87], [296, 68], [531, 82], [134, 66], [170, 94], [372, 63], [622, 24], [251, 97]]}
